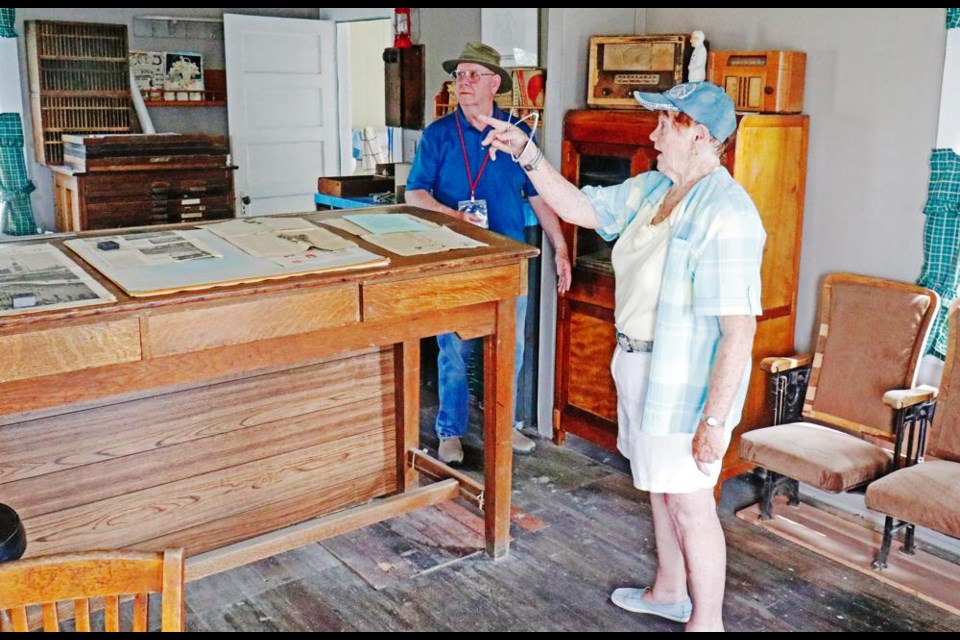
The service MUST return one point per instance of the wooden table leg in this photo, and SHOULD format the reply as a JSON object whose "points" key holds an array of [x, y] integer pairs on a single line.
{"points": [[407, 380], [498, 356]]}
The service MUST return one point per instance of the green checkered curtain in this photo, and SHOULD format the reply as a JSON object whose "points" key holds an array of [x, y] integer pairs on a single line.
{"points": [[7, 18], [15, 187], [953, 18], [941, 240]]}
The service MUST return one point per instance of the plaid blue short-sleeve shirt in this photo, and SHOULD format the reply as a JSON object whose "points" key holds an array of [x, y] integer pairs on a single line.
{"points": [[712, 269]]}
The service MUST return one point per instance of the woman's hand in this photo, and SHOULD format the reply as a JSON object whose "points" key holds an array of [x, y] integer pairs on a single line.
{"points": [[708, 446], [506, 137]]}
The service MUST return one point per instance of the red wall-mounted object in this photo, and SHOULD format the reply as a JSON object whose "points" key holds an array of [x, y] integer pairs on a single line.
{"points": [[401, 29]]}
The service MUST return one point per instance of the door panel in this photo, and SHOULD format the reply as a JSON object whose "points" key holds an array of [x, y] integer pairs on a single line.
{"points": [[282, 109]]}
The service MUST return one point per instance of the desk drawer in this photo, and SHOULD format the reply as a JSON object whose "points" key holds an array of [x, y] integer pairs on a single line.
{"points": [[397, 299], [185, 331], [131, 213], [170, 183], [44, 353]]}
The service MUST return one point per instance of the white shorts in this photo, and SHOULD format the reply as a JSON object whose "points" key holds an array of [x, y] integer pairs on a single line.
{"points": [[660, 464]]}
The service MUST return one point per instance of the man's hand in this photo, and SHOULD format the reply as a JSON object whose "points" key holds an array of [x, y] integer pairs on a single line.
{"points": [[564, 277], [708, 446]]}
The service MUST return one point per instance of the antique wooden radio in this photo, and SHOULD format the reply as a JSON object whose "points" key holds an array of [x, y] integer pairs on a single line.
{"points": [[620, 65], [762, 81]]}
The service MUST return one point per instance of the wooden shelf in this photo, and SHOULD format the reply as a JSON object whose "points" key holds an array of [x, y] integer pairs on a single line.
{"points": [[446, 101], [214, 94], [185, 103], [122, 59]]}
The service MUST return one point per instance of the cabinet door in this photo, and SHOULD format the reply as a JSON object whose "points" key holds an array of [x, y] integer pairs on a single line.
{"points": [[603, 148]]}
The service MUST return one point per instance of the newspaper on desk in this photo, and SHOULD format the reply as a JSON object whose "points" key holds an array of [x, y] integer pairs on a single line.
{"points": [[232, 266], [149, 248], [277, 237], [39, 277], [292, 243], [403, 234]]}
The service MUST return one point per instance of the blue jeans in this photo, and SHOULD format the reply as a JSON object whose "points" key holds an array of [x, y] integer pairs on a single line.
{"points": [[455, 355]]}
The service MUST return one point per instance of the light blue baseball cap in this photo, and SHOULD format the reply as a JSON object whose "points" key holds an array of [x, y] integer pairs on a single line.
{"points": [[705, 102]]}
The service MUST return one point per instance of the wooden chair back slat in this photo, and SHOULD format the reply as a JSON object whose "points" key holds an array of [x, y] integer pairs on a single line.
{"points": [[51, 621], [109, 575], [141, 611], [18, 616], [111, 614], [81, 614]]}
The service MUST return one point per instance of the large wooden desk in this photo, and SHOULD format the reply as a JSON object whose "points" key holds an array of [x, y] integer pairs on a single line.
{"points": [[209, 419]]}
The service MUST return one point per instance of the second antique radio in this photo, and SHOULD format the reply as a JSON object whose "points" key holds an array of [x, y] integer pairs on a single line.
{"points": [[762, 81], [620, 65]]}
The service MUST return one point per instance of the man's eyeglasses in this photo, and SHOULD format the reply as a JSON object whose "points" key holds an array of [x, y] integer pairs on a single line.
{"points": [[472, 77]]}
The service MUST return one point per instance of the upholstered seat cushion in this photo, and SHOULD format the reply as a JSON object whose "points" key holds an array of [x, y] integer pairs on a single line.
{"points": [[936, 481], [825, 458]]}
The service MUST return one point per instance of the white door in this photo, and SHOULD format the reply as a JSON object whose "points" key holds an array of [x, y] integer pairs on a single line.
{"points": [[281, 109]]}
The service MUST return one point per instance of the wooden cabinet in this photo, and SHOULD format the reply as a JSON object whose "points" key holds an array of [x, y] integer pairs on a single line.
{"points": [[404, 86], [605, 147], [109, 199], [79, 82]]}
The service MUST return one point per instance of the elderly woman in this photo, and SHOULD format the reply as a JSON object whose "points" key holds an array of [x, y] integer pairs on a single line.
{"points": [[687, 265]]}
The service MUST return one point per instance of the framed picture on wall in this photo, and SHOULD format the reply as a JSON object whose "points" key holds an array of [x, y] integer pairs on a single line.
{"points": [[183, 76], [149, 72]]}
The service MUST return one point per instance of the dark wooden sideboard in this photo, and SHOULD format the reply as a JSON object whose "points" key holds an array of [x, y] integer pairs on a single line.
{"points": [[90, 200]]}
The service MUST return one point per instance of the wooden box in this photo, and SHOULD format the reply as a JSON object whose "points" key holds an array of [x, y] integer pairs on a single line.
{"points": [[348, 186], [405, 86], [620, 65], [761, 81]]}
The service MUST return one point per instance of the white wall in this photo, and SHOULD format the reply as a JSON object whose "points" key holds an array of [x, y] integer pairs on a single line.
{"points": [[11, 100], [948, 133], [872, 93], [350, 14], [367, 42]]}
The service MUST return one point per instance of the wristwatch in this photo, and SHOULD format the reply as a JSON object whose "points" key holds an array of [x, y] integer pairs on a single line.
{"points": [[712, 422]]}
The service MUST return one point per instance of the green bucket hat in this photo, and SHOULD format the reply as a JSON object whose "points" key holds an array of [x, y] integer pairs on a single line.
{"points": [[479, 53]]}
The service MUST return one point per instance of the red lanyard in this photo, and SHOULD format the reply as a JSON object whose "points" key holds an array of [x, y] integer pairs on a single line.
{"points": [[463, 145]]}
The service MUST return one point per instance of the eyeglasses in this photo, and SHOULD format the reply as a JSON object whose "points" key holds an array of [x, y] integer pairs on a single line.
{"points": [[472, 77]]}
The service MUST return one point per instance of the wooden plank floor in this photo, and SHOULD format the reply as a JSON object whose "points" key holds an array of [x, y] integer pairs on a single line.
{"points": [[597, 536], [934, 579]]}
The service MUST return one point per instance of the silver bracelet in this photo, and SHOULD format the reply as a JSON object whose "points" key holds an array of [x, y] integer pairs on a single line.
{"points": [[534, 164], [513, 125]]}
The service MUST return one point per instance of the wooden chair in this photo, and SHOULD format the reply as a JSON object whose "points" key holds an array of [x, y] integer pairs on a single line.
{"points": [[47, 580], [927, 493], [832, 427]]}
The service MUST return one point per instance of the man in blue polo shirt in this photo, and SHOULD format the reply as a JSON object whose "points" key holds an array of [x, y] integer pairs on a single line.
{"points": [[452, 174]]}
